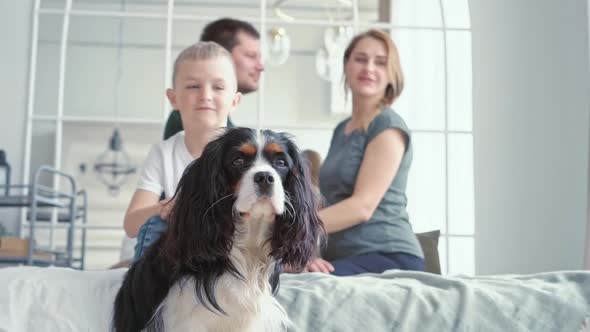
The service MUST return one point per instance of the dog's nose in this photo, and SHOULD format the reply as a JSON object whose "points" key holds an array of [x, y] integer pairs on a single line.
{"points": [[264, 181]]}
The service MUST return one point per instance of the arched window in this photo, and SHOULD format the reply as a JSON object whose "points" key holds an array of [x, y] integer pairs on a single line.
{"points": [[434, 39]]}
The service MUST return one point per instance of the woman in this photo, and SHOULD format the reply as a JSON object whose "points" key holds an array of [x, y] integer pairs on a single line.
{"points": [[364, 176]]}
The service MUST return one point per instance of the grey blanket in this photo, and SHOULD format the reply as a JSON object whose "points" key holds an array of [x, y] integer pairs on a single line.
{"points": [[56, 299], [410, 301]]}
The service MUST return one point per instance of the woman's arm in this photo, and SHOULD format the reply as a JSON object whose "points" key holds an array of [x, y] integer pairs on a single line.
{"points": [[144, 204], [380, 164]]}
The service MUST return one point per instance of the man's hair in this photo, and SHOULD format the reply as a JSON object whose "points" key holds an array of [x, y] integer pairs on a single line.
{"points": [[203, 50], [224, 32]]}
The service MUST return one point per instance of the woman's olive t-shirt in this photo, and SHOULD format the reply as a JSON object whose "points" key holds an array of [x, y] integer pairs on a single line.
{"points": [[389, 228]]}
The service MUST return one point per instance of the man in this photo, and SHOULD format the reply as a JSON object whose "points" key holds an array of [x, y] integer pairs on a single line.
{"points": [[243, 42]]}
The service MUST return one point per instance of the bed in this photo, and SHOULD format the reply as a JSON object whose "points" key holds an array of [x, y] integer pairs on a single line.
{"points": [[62, 299]]}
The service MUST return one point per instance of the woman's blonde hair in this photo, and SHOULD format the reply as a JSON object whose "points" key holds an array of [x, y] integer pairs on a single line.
{"points": [[394, 69]]}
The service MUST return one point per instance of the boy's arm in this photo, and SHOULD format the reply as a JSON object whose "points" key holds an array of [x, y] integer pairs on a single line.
{"points": [[144, 204]]}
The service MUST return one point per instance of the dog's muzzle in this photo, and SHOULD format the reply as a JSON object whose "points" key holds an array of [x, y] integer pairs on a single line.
{"points": [[264, 182]]}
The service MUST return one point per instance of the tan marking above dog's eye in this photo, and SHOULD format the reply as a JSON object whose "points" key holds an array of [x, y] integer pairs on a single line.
{"points": [[248, 149], [273, 148]]}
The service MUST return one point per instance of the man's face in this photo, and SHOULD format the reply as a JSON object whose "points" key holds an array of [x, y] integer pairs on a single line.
{"points": [[246, 55]]}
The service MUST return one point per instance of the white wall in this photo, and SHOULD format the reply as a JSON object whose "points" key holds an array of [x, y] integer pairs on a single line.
{"points": [[15, 27], [530, 89]]}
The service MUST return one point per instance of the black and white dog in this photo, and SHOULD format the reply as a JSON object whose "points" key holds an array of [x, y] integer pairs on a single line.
{"points": [[241, 211]]}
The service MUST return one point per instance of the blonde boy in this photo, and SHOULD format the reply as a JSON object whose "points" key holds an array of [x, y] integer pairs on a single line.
{"points": [[205, 92]]}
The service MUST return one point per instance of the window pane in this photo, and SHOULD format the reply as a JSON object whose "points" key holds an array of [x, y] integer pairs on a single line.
{"points": [[372, 11], [246, 114], [185, 33], [422, 102], [52, 4], [459, 80], [423, 13], [461, 255], [456, 13], [136, 6], [242, 9], [461, 201], [125, 80], [426, 183], [298, 80], [42, 150], [309, 103], [47, 71], [312, 10]]}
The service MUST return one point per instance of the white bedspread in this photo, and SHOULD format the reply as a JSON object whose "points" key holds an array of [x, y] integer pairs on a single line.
{"points": [[57, 299]]}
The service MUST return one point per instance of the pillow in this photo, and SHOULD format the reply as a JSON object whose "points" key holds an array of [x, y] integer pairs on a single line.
{"points": [[429, 243]]}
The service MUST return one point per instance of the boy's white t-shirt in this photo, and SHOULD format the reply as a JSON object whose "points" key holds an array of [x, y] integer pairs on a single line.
{"points": [[165, 165]]}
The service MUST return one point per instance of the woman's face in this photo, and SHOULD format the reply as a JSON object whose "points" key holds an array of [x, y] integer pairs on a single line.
{"points": [[366, 68]]}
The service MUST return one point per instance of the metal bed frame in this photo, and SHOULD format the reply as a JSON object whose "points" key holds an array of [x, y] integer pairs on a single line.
{"points": [[48, 206]]}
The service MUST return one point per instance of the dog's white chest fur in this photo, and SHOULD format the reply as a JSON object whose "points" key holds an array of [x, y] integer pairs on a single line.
{"points": [[248, 303], [246, 310]]}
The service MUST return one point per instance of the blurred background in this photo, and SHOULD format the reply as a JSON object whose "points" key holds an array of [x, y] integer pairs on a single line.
{"points": [[496, 96]]}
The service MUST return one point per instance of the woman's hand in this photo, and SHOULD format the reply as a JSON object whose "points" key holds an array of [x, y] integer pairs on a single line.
{"points": [[315, 265], [319, 265], [166, 207]]}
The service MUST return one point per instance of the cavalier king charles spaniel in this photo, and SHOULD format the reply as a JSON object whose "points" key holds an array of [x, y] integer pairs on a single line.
{"points": [[241, 211]]}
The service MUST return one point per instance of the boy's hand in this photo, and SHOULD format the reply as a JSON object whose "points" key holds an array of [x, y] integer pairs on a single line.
{"points": [[166, 206], [319, 265]]}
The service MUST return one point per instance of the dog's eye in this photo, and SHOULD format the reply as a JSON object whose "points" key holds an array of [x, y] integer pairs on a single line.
{"points": [[280, 163], [238, 162]]}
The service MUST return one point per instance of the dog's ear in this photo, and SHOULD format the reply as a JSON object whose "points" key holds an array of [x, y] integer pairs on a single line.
{"points": [[201, 223], [135, 309], [298, 229]]}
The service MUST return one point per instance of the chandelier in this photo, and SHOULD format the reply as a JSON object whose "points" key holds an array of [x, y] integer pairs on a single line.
{"points": [[278, 48], [113, 166], [328, 59]]}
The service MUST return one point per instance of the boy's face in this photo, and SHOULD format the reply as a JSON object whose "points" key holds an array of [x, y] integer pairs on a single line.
{"points": [[205, 92]]}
